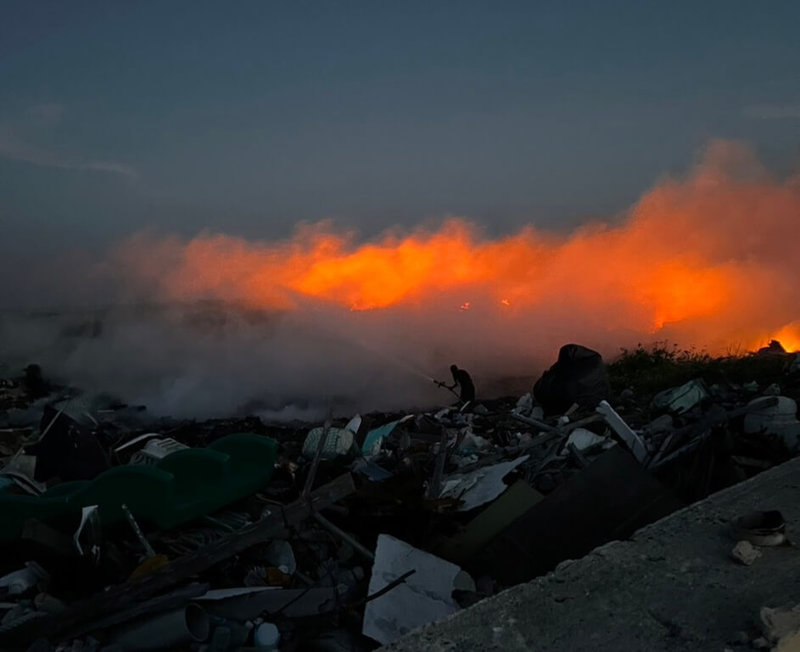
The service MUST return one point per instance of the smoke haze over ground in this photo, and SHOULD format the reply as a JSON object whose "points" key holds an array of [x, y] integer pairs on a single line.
{"points": [[287, 328]]}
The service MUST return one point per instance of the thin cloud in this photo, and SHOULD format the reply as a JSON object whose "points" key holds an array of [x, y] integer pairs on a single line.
{"points": [[773, 111], [16, 145], [46, 114], [16, 150]]}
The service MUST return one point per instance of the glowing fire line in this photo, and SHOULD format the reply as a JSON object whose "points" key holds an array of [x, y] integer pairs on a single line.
{"points": [[710, 259]]}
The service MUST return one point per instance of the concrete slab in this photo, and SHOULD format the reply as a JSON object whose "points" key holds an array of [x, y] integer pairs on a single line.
{"points": [[673, 586]]}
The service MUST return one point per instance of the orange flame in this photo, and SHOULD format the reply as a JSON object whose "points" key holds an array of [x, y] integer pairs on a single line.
{"points": [[708, 261]]}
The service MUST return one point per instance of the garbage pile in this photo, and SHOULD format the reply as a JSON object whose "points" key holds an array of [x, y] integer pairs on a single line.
{"points": [[124, 532]]}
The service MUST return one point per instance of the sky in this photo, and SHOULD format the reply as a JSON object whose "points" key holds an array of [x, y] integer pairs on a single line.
{"points": [[248, 118]]}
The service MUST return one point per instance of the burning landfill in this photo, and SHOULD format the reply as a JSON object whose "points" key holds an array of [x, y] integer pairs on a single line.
{"points": [[126, 531], [326, 514]]}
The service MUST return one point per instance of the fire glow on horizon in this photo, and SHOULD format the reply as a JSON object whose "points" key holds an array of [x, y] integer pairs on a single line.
{"points": [[709, 261]]}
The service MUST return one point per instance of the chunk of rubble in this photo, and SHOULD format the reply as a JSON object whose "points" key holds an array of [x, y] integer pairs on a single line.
{"points": [[781, 625], [745, 553]]}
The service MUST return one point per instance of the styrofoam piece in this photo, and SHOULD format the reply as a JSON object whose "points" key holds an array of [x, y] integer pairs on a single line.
{"points": [[424, 596]]}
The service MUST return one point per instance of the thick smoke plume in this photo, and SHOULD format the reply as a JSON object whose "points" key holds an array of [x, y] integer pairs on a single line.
{"points": [[708, 261]]}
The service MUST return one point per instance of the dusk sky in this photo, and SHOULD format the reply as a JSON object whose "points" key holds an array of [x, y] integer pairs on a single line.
{"points": [[248, 117]]}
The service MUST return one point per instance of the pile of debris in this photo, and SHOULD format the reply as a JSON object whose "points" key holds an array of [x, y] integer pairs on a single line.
{"points": [[122, 532]]}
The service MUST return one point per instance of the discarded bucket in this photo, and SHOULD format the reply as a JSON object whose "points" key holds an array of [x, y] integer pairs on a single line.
{"points": [[775, 418], [761, 528]]}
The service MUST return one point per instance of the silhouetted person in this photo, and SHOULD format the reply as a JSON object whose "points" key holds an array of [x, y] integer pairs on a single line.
{"points": [[464, 382], [774, 347], [35, 386]]}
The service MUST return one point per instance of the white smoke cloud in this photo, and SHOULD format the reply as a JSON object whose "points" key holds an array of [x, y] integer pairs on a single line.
{"points": [[708, 261]]}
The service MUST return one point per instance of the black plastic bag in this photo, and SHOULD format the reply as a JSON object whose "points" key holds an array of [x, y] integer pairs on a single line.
{"points": [[579, 376]]}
